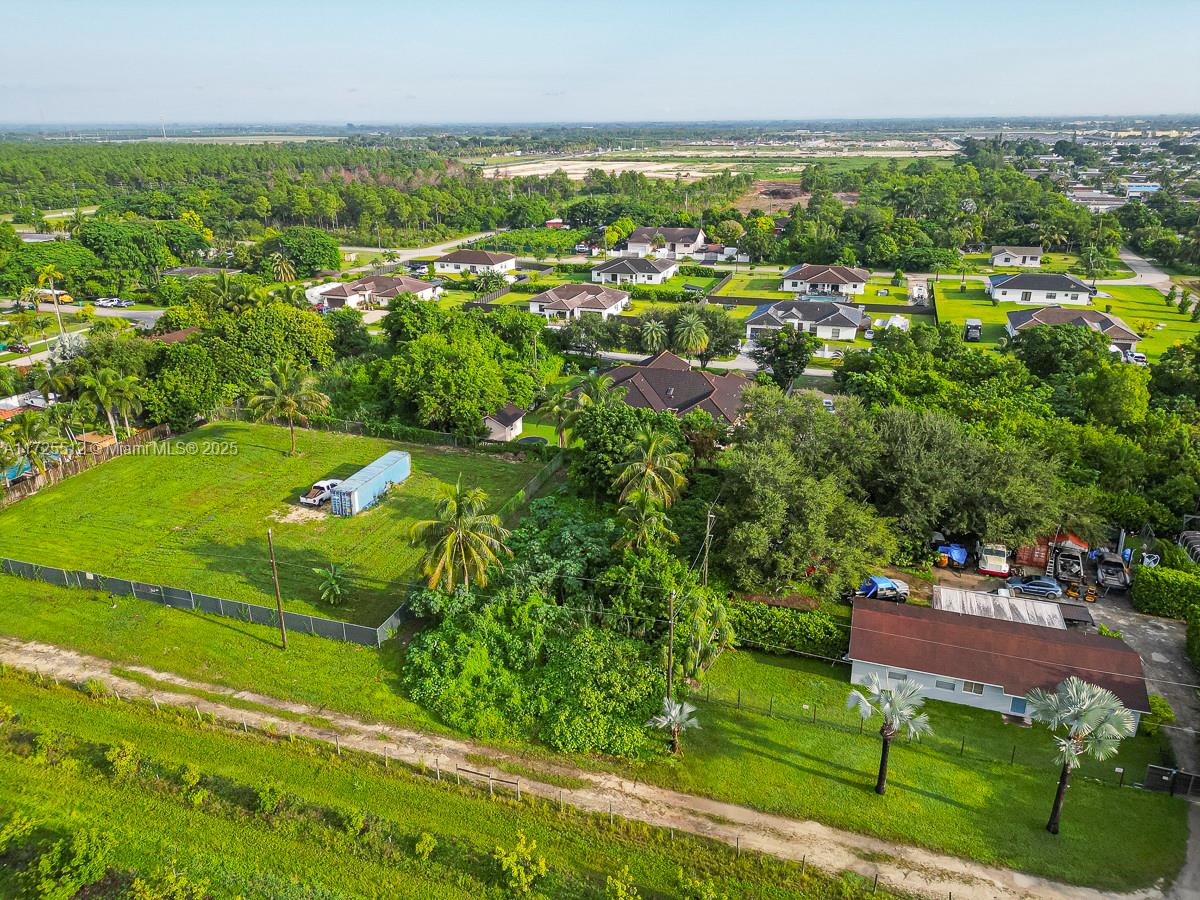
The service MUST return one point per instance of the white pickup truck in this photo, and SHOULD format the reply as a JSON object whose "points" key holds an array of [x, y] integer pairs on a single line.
{"points": [[320, 492], [993, 559]]}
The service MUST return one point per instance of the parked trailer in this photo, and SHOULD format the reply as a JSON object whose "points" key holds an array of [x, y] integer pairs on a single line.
{"points": [[364, 488]]}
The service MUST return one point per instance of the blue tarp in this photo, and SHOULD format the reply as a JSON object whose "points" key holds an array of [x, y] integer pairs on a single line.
{"points": [[956, 552], [876, 583]]}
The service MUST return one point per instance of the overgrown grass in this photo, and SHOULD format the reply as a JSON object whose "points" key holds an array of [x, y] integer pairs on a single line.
{"points": [[346, 825], [985, 804], [199, 520]]}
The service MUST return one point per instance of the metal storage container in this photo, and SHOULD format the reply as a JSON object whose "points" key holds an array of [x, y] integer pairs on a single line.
{"points": [[364, 488]]}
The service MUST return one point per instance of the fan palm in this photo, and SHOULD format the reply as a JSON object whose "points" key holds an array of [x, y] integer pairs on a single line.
{"points": [[691, 336], [652, 468], [290, 394], [1095, 722], [281, 267], [32, 436], [653, 335], [676, 717], [101, 390], [900, 709], [462, 541]]}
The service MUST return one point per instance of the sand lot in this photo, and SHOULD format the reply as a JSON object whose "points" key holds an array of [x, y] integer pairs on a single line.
{"points": [[576, 169]]}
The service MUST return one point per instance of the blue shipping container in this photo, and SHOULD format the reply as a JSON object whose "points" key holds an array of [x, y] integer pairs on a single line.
{"points": [[362, 489]]}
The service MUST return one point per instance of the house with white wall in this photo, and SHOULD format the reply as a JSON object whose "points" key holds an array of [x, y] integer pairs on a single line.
{"points": [[825, 319], [985, 662], [673, 243], [1039, 289], [1119, 335], [374, 290], [475, 262], [634, 270], [1026, 257], [818, 279], [574, 301], [506, 423]]}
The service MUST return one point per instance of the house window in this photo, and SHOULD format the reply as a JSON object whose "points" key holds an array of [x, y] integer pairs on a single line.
{"points": [[1051, 296], [1004, 293], [897, 676], [945, 685], [1074, 296], [972, 687], [1018, 706], [835, 333]]}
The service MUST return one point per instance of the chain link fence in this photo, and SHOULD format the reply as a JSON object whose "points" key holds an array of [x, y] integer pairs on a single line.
{"points": [[182, 598]]}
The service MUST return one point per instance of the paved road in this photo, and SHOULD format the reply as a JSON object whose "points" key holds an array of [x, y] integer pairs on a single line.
{"points": [[409, 253], [147, 317], [1144, 273]]}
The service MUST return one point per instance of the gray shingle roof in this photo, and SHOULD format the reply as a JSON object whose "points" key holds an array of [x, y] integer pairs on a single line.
{"points": [[1039, 281], [822, 274], [809, 312], [645, 235], [1106, 323], [1017, 251], [579, 296], [634, 265]]}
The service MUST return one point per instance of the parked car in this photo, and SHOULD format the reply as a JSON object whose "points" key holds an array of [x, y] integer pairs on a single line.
{"points": [[1138, 359], [1036, 586], [1068, 564], [124, 304], [18, 347], [869, 334], [993, 559], [877, 587], [827, 403], [1111, 571], [320, 492]]}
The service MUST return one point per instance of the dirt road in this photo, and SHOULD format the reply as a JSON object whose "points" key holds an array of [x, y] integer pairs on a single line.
{"points": [[906, 868]]}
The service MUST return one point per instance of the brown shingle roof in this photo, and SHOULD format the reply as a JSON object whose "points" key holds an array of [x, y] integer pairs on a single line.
{"points": [[579, 296], [1106, 323], [174, 337], [1015, 656], [826, 274], [475, 258], [665, 381], [646, 234]]}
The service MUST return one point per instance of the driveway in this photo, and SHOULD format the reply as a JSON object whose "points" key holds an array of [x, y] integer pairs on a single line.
{"points": [[404, 255]]}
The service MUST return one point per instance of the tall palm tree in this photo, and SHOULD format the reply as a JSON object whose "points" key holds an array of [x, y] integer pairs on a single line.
{"points": [[644, 521], [676, 717], [51, 381], [597, 390], [127, 397], [281, 267], [101, 390], [653, 335], [41, 323], [462, 541], [229, 292], [1095, 722], [32, 435], [561, 406], [47, 275], [691, 336], [288, 393], [653, 468], [900, 709]]}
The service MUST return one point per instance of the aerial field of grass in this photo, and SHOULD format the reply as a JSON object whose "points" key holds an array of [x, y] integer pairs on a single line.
{"points": [[1051, 262], [199, 520]]}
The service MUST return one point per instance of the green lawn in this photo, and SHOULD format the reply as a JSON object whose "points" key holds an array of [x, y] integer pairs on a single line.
{"points": [[1051, 262], [304, 848], [895, 296], [1141, 308], [975, 805], [200, 521], [744, 284]]}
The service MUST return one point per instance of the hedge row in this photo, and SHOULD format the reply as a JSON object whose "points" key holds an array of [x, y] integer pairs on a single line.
{"points": [[662, 294], [1193, 635], [1164, 592], [806, 631], [693, 271], [570, 268]]}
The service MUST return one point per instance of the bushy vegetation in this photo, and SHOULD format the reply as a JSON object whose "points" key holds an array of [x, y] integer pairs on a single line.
{"points": [[778, 629], [1164, 592]]}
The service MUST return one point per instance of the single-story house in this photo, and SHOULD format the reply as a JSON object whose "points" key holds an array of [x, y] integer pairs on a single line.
{"points": [[505, 424], [828, 320], [669, 242], [94, 441], [28, 400], [984, 662], [1047, 289], [719, 253], [572, 301], [815, 279], [634, 270], [1017, 256], [1118, 333], [475, 262], [38, 237], [173, 337], [375, 290], [664, 381]]}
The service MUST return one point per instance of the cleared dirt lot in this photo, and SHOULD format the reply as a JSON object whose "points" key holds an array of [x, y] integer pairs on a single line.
{"points": [[576, 169]]}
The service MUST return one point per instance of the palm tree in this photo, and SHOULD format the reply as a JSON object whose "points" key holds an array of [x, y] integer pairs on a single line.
{"points": [[487, 283], [229, 292], [294, 295], [47, 274], [31, 434], [900, 708], [102, 390], [1053, 236], [41, 323], [676, 717], [597, 390], [653, 468], [462, 541], [690, 334], [51, 381], [127, 397], [644, 521], [8, 457], [1095, 721], [653, 335], [289, 393], [29, 297], [561, 406], [281, 267]]}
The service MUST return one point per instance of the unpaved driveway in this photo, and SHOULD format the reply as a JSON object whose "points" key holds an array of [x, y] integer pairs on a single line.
{"points": [[907, 868]]}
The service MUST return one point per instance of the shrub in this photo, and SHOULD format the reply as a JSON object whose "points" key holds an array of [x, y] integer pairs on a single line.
{"points": [[123, 761], [693, 271], [269, 797], [426, 844], [621, 886], [354, 822], [1193, 635], [1164, 592], [520, 867], [67, 866], [167, 884], [808, 631], [7, 714], [1160, 714], [16, 832], [1104, 631], [95, 688]]}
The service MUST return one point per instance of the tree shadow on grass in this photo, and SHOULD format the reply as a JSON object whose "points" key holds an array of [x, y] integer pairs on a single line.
{"points": [[234, 625]]}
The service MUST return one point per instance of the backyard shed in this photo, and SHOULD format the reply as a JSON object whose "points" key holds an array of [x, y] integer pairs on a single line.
{"points": [[362, 489]]}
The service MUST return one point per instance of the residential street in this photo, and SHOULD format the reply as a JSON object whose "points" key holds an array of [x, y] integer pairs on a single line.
{"points": [[898, 866], [741, 363]]}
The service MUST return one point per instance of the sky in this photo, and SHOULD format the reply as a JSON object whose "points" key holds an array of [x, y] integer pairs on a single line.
{"points": [[372, 61]]}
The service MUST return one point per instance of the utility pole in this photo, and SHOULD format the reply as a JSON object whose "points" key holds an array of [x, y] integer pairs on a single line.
{"points": [[708, 527], [671, 646], [278, 596]]}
